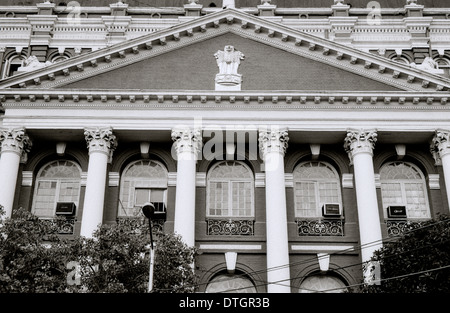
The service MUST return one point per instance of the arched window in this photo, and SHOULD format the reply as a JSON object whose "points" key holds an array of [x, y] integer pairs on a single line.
{"points": [[142, 181], [230, 283], [12, 64], [444, 63], [315, 183], [230, 190], [403, 184], [58, 181], [59, 58], [322, 284]]}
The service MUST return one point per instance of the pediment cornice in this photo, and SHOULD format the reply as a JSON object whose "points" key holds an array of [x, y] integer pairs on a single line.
{"points": [[240, 23], [243, 100]]}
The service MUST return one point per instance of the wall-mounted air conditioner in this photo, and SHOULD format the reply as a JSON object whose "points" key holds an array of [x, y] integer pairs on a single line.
{"points": [[65, 208], [331, 210], [396, 211], [160, 211]]}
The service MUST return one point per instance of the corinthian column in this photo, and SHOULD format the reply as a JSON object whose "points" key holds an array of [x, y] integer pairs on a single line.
{"points": [[101, 143], [359, 145], [15, 145], [187, 144], [273, 144], [440, 148]]}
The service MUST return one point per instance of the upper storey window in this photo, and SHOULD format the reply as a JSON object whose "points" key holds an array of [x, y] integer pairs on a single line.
{"points": [[142, 181], [230, 191], [11, 65], [403, 184], [58, 181], [315, 184]]}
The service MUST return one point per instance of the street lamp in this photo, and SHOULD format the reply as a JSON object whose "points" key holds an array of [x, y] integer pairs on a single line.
{"points": [[149, 210]]}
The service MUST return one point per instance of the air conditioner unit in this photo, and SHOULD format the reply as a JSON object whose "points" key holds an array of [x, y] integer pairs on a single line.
{"points": [[331, 210], [160, 211], [396, 211], [65, 208]]}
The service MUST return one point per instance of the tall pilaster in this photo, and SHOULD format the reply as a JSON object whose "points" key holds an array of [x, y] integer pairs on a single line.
{"points": [[15, 145], [440, 148], [273, 144], [101, 143], [359, 145], [187, 145]]}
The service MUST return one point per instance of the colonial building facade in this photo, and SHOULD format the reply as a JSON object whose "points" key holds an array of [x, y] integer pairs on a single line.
{"points": [[286, 141]]}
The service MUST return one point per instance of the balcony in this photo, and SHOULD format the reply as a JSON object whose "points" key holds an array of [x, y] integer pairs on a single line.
{"points": [[320, 227], [138, 222], [64, 225], [230, 227], [398, 227]]}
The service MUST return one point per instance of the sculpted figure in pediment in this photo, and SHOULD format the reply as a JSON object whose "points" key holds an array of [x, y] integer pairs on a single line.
{"points": [[229, 60]]}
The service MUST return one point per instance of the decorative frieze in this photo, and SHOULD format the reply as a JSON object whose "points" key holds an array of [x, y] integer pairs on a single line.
{"points": [[15, 140], [291, 100], [101, 140], [229, 227], [359, 141]]}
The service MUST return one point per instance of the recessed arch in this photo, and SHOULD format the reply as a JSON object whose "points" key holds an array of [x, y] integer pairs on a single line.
{"points": [[230, 190], [56, 181], [403, 184], [335, 270], [142, 181], [315, 183]]}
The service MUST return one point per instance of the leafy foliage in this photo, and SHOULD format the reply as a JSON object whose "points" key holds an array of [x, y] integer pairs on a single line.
{"points": [[117, 260], [418, 262], [33, 259]]}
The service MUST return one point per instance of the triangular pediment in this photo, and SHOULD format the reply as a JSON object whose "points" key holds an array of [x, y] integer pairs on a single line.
{"points": [[277, 58]]}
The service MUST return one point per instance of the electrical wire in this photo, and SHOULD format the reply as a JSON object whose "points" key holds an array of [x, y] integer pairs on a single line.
{"points": [[395, 277], [314, 259]]}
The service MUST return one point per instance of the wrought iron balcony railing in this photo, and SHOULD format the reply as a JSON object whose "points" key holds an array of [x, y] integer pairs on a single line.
{"points": [[138, 222], [64, 225], [399, 227], [320, 227], [230, 227]]}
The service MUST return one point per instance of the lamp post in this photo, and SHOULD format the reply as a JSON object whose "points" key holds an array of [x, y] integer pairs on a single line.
{"points": [[149, 209]]}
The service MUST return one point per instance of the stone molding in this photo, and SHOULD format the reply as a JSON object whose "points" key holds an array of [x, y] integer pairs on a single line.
{"points": [[273, 140], [101, 140], [187, 140], [15, 140], [359, 141], [133, 98], [240, 23], [440, 145]]}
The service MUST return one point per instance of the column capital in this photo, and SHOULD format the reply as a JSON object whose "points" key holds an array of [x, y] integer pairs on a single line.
{"points": [[101, 139], [360, 141], [440, 145], [187, 140], [15, 140], [273, 140]]}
